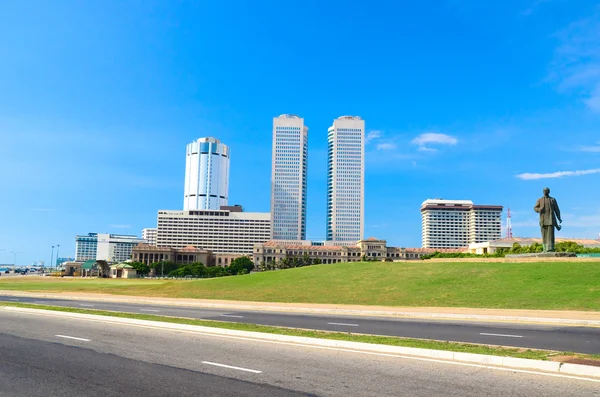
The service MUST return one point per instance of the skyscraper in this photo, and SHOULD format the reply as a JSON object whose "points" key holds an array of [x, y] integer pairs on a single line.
{"points": [[206, 175], [345, 180], [288, 178]]}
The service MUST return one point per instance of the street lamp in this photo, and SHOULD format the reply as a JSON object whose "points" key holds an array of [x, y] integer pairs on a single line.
{"points": [[15, 258], [52, 256], [56, 263]]}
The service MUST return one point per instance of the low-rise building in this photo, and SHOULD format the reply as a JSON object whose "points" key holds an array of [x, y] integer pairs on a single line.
{"points": [[369, 249], [149, 254], [490, 247], [122, 270]]}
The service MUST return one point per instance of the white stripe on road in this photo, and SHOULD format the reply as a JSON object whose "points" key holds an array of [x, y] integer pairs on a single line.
{"points": [[229, 366], [72, 337], [16, 300], [149, 310], [39, 302], [86, 305], [348, 325], [231, 315], [507, 336]]}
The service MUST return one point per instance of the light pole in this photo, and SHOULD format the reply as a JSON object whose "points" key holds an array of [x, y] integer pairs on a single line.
{"points": [[15, 258], [52, 256], [56, 263]]}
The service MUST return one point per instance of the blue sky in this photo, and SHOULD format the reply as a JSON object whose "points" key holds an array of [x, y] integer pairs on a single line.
{"points": [[488, 101]]}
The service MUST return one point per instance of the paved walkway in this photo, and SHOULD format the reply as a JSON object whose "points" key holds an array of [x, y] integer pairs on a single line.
{"points": [[589, 318]]}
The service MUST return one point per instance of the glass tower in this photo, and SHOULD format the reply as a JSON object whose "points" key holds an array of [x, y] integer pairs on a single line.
{"points": [[206, 175], [288, 178], [345, 180]]}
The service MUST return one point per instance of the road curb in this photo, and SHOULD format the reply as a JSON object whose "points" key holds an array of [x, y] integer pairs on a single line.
{"points": [[442, 355], [324, 311]]}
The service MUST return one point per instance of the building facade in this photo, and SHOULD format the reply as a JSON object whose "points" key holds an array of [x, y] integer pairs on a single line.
{"points": [[345, 180], [149, 254], [219, 231], [86, 247], [149, 234], [288, 178], [206, 175], [368, 249], [458, 223], [103, 246]]}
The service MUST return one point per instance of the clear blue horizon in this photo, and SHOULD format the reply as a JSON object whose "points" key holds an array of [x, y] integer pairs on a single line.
{"points": [[462, 100]]}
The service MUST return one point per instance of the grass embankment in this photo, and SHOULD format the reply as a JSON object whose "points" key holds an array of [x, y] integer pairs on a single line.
{"points": [[374, 339], [534, 285]]}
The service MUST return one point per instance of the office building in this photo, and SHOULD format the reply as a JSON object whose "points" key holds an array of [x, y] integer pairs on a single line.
{"points": [[206, 175], [102, 246], [345, 180], [458, 223], [149, 234], [218, 231], [288, 178]]}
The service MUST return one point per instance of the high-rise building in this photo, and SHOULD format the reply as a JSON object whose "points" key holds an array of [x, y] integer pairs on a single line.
{"points": [[206, 175], [220, 231], [288, 178], [458, 223], [149, 234], [102, 246], [345, 180]]}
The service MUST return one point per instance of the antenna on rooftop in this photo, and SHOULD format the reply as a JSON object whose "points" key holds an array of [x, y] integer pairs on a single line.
{"points": [[509, 233]]}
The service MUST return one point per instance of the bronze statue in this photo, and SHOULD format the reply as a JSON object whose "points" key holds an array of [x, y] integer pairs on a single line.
{"points": [[549, 213]]}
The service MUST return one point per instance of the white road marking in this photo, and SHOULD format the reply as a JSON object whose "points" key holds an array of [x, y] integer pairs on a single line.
{"points": [[507, 336], [72, 337], [86, 305], [231, 367], [348, 325], [231, 315], [39, 302], [149, 310], [16, 300], [435, 360]]}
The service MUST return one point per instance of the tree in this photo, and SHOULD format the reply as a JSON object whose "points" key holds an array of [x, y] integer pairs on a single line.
{"points": [[104, 268], [163, 267], [241, 265], [317, 261], [140, 268]]}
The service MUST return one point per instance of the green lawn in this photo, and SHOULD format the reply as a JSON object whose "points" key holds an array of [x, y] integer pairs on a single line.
{"points": [[533, 285]]}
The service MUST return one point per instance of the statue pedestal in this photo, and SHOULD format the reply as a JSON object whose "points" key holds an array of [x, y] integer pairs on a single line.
{"points": [[543, 255]]}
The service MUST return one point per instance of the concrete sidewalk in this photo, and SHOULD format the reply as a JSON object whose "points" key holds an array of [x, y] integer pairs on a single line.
{"points": [[574, 318]]}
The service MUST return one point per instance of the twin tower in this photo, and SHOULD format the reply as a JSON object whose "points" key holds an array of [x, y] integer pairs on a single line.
{"points": [[207, 178]]}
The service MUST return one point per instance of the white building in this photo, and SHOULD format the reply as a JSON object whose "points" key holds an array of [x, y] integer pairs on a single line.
{"points": [[149, 234], [219, 231], [345, 180], [206, 175], [458, 223], [102, 246], [288, 178]]}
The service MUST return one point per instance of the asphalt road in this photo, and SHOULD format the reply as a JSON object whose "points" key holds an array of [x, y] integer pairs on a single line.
{"points": [[561, 338], [49, 356]]}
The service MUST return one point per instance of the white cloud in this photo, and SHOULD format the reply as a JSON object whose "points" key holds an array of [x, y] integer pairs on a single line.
{"points": [[427, 149], [386, 146], [576, 65], [373, 135], [434, 138], [592, 149], [559, 174], [120, 226]]}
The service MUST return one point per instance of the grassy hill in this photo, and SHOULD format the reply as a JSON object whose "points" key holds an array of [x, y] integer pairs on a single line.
{"points": [[535, 285]]}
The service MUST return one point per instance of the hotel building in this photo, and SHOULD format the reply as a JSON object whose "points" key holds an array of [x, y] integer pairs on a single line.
{"points": [[458, 223], [225, 231], [102, 246]]}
